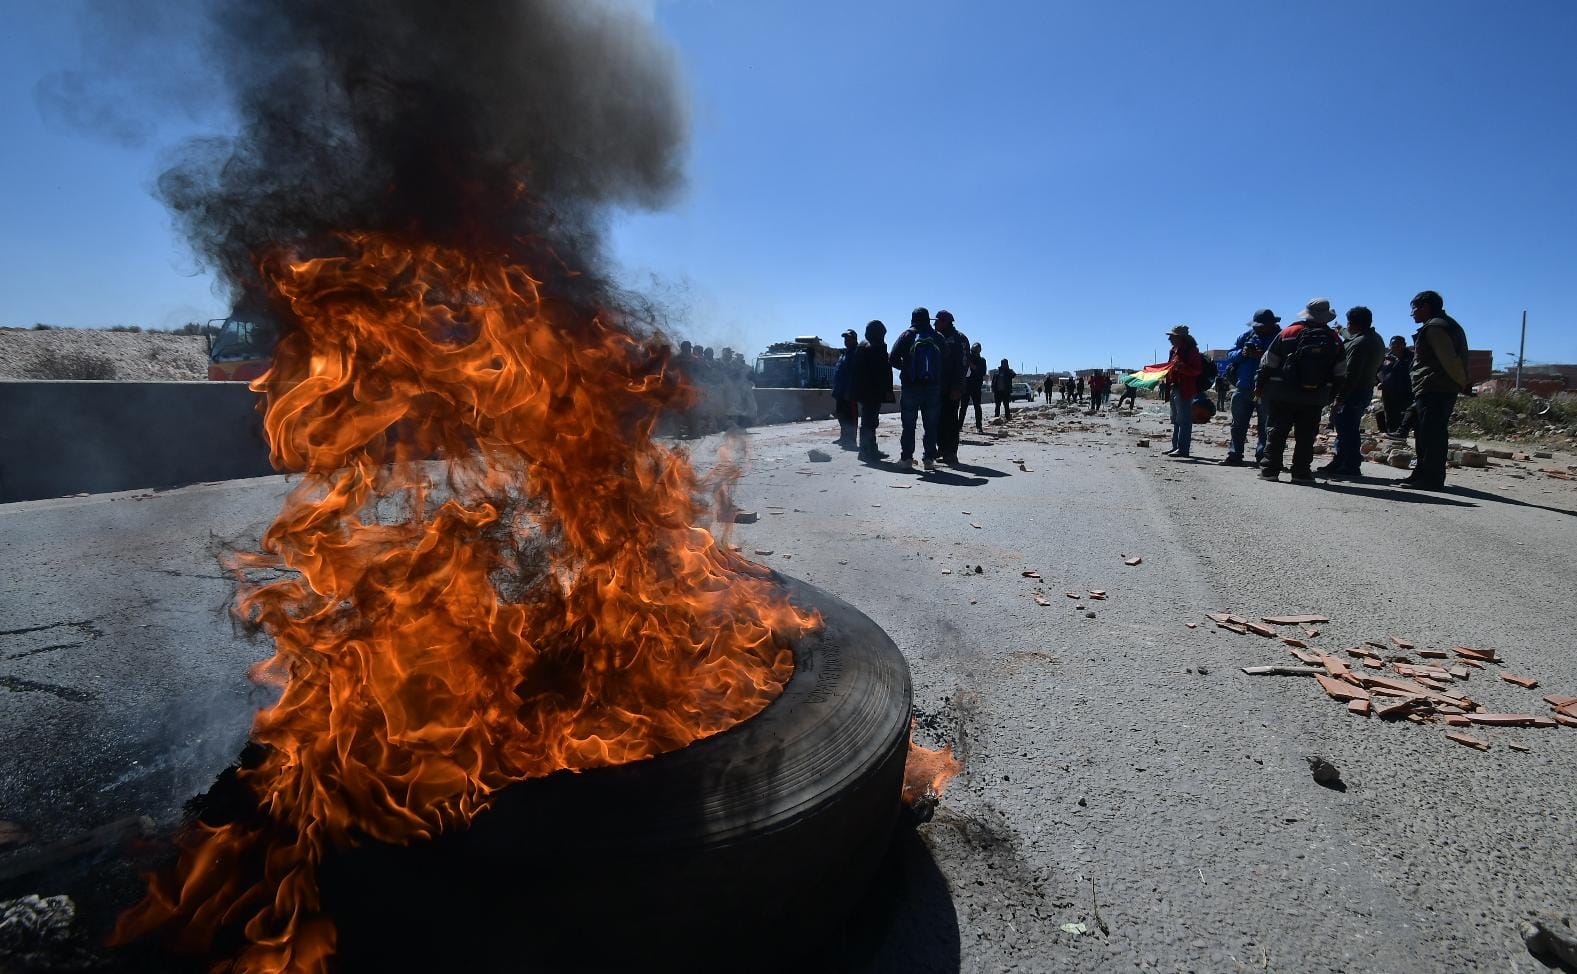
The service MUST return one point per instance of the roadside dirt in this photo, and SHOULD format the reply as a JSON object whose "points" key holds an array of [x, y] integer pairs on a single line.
{"points": [[89, 353]]}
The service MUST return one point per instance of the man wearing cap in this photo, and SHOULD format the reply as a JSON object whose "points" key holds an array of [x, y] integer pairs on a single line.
{"points": [[843, 391], [1298, 377], [1362, 353], [917, 355], [955, 370], [1241, 368], [1439, 376], [1183, 370]]}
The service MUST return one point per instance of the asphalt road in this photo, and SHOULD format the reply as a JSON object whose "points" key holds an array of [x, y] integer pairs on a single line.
{"points": [[1121, 772]]}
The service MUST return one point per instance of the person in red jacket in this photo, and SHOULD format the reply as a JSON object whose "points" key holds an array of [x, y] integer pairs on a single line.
{"points": [[1183, 369]]}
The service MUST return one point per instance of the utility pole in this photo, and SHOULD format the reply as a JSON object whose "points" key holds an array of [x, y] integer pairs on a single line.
{"points": [[1522, 346]]}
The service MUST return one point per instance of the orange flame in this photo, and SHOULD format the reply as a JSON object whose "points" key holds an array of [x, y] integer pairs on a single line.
{"points": [[547, 604], [927, 772]]}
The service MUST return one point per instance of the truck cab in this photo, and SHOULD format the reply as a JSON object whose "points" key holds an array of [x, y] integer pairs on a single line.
{"points": [[804, 363], [243, 347]]}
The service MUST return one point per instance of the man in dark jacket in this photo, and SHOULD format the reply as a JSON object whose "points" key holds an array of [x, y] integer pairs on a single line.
{"points": [[1184, 367], [1439, 376], [1002, 389], [1362, 353], [1298, 377], [955, 371], [843, 401], [1396, 387], [1241, 368], [972, 383], [917, 355], [873, 385]]}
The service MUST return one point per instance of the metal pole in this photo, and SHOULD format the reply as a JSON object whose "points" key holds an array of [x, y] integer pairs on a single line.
{"points": [[1522, 345]]}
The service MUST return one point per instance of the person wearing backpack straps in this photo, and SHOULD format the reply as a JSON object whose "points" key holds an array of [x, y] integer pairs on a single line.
{"points": [[1298, 377], [917, 355], [955, 373]]}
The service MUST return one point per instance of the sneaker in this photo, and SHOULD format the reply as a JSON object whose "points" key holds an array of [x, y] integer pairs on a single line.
{"points": [[1270, 474], [1170, 453], [929, 464], [1181, 454], [1232, 460], [1397, 437], [1302, 476], [1329, 468], [1419, 485], [882, 454], [906, 462]]}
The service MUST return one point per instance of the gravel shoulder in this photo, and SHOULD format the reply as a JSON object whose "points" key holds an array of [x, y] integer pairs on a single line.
{"points": [[64, 353]]}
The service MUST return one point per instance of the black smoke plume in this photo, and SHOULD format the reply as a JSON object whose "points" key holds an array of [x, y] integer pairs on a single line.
{"points": [[508, 126]]}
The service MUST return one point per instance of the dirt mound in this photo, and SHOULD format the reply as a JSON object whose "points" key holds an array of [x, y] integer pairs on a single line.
{"points": [[87, 353]]}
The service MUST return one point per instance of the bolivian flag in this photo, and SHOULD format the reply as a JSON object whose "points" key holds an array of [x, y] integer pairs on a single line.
{"points": [[1146, 378]]}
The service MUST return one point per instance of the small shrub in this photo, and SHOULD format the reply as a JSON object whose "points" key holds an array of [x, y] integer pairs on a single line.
{"points": [[1506, 413], [72, 364], [40, 326], [134, 329]]}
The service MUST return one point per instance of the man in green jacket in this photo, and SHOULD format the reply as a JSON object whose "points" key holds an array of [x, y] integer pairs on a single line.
{"points": [[1439, 376], [1363, 351]]}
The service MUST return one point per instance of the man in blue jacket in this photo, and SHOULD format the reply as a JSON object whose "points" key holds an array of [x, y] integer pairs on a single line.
{"points": [[1241, 367]]}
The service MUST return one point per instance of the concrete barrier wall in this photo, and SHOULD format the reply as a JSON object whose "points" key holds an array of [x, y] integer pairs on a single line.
{"points": [[61, 438]]}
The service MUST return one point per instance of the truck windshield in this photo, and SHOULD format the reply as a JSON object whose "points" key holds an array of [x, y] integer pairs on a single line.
{"points": [[241, 339]]}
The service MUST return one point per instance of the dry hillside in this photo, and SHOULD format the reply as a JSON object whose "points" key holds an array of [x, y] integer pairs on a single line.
{"points": [[88, 353]]}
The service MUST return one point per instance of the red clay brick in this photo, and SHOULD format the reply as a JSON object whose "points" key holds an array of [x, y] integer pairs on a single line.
{"points": [[1526, 683], [1359, 707], [1463, 739], [1341, 691]]}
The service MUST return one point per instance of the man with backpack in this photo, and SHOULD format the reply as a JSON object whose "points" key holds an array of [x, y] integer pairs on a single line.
{"points": [[873, 385], [917, 355], [1396, 388], [955, 371], [1439, 376], [1362, 353], [1298, 377]]}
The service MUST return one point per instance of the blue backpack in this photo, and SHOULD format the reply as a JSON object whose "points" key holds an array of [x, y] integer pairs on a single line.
{"points": [[925, 358]]}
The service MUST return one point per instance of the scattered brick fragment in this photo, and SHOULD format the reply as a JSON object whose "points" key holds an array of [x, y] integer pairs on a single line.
{"points": [[1463, 739], [1293, 620], [1030, 574], [1359, 707], [1519, 747], [1341, 691], [1260, 630], [1557, 701], [1401, 643], [1508, 720], [1434, 653], [1294, 643], [1133, 561], [1233, 627], [1526, 683], [1457, 720], [1481, 655]]}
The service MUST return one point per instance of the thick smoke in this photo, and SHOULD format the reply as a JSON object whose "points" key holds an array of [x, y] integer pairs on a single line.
{"points": [[502, 125]]}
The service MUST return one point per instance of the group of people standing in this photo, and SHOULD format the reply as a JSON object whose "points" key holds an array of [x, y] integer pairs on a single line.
{"points": [[725, 390], [1287, 377], [941, 374]]}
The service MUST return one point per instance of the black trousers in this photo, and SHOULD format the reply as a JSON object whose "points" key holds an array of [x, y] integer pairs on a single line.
{"points": [[1004, 405], [870, 416], [952, 425], [1396, 405], [970, 396], [1432, 413], [1302, 420]]}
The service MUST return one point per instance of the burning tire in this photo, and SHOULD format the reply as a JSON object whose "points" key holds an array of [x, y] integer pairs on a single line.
{"points": [[761, 835]]}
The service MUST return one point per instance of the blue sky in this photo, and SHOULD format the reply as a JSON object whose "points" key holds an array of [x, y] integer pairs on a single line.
{"points": [[1070, 179]]}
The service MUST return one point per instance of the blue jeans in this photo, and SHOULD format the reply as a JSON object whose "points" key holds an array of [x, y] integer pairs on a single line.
{"points": [[1182, 422], [1245, 408], [1349, 439], [924, 402]]}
